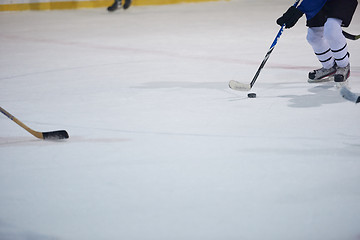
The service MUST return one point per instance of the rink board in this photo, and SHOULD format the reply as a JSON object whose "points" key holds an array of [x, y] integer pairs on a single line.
{"points": [[24, 5]]}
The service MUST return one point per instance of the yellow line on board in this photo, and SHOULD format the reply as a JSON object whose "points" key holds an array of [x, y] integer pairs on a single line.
{"points": [[54, 5], [85, 4]]}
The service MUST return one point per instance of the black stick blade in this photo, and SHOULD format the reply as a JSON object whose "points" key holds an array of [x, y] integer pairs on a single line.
{"points": [[55, 135], [349, 95]]}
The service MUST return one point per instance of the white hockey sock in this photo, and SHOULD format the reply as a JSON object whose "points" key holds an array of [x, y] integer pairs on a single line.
{"points": [[320, 46], [335, 38]]}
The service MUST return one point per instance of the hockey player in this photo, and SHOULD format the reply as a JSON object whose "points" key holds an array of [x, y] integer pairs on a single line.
{"points": [[324, 21], [117, 3]]}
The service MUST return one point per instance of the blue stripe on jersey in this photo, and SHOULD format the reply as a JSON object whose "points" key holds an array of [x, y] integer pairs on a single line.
{"points": [[311, 7]]}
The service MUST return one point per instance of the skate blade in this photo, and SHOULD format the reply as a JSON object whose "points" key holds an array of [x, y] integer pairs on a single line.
{"points": [[342, 84], [321, 80]]}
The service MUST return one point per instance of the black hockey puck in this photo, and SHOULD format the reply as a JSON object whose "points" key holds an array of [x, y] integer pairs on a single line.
{"points": [[251, 95]]}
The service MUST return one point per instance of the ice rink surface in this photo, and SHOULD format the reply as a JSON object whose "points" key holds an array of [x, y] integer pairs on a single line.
{"points": [[160, 148]]}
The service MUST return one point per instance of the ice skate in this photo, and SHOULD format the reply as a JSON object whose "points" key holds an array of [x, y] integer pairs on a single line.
{"points": [[322, 75], [127, 4], [341, 75], [114, 6]]}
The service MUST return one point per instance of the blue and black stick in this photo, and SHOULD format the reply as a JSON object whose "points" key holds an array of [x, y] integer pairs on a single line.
{"points": [[246, 87]]}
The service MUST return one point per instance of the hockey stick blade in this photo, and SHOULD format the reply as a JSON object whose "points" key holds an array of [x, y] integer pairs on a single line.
{"points": [[348, 95], [55, 135], [235, 85]]}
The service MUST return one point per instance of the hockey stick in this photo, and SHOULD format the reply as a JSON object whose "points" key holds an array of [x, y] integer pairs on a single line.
{"points": [[54, 135], [235, 85], [351, 36], [348, 95]]}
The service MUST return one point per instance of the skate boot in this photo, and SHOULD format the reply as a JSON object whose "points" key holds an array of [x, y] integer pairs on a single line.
{"points": [[322, 74], [114, 6], [341, 75], [127, 4]]}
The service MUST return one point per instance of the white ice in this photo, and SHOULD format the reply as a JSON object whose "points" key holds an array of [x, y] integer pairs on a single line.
{"points": [[160, 148]]}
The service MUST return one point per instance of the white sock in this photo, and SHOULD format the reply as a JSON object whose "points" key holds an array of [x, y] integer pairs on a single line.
{"points": [[336, 40], [320, 46]]}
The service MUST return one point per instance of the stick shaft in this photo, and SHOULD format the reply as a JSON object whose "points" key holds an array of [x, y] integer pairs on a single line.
{"points": [[18, 122], [269, 52], [351, 36]]}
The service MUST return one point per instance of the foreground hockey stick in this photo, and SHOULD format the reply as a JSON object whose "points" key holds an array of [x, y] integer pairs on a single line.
{"points": [[235, 85], [348, 95], [351, 36], [54, 135]]}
